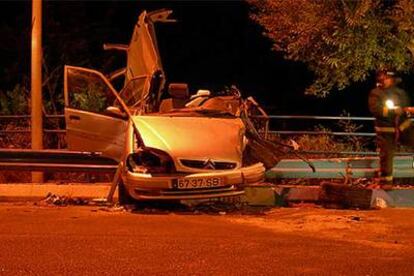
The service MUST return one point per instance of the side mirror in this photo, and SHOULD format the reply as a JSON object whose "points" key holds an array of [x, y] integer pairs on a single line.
{"points": [[116, 112]]}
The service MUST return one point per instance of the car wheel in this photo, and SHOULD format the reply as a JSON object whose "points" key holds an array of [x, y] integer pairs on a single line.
{"points": [[123, 195]]}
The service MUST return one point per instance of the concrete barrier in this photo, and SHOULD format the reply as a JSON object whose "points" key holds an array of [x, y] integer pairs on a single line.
{"points": [[282, 195]]}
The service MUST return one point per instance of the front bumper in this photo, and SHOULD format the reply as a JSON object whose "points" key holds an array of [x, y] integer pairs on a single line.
{"points": [[147, 187]]}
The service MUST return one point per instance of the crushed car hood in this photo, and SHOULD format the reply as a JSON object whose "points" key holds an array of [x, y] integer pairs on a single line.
{"points": [[193, 138]]}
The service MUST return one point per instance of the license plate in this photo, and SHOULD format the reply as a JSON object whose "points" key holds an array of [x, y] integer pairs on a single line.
{"points": [[198, 182]]}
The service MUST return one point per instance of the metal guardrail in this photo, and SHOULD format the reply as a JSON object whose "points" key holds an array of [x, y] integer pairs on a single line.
{"points": [[55, 160], [293, 132], [314, 132], [28, 131], [320, 117], [17, 117], [270, 117], [12, 118]]}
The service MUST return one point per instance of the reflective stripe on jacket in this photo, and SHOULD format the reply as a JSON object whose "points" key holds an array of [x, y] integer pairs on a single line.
{"points": [[403, 126]]}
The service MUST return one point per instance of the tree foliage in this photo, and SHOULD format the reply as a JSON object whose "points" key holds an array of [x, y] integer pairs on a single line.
{"points": [[15, 101], [341, 41]]}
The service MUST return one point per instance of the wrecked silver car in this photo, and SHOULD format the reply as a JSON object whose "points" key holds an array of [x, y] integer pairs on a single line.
{"points": [[169, 148]]}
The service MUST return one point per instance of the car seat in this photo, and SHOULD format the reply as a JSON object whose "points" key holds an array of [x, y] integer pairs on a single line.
{"points": [[179, 96]]}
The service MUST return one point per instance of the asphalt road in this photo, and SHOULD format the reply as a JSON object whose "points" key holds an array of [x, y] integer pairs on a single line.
{"points": [[49, 240]]}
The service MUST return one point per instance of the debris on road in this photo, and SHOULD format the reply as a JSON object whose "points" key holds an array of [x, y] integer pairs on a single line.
{"points": [[379, 203], [113, 208], [63, 200], [356, 218]]}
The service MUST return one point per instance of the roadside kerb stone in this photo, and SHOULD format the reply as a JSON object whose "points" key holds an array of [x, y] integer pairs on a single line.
{"points": [[33, 192], [395, 198], [273, 195], [261, 195], [256, 195]]}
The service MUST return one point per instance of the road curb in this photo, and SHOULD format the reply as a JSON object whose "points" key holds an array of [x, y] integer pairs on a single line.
{"points": [[403, 198], [256, 195], [35, 192], [280, 195]]}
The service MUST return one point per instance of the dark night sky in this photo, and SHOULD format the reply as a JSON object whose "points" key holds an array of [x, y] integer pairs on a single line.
{"points": [[214, 44]]}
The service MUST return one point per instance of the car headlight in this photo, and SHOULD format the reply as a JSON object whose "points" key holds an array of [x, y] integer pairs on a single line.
{"points": [[149, 160]]}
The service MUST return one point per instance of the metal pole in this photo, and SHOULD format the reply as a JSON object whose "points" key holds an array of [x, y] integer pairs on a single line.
{"points": [[36, 83]]}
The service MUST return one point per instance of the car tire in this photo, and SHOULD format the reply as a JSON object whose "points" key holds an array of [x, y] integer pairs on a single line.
{"points": [[123, 195]]}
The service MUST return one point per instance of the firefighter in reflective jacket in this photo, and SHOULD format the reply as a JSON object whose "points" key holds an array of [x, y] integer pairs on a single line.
{"points": [[390, 106]]}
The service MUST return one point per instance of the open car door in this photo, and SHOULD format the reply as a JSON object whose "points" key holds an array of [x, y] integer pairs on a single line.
{"points": [[93, 123], [143, 61]]}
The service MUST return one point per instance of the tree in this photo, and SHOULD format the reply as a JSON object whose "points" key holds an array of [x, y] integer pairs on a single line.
{"points": [[341, 41]]}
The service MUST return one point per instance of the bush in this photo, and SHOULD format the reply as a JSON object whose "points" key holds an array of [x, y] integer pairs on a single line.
{"points": [[328, 142], [15, 101]]}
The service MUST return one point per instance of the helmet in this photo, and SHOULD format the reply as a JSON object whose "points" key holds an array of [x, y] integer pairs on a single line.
{"points": [[384, 74]]}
